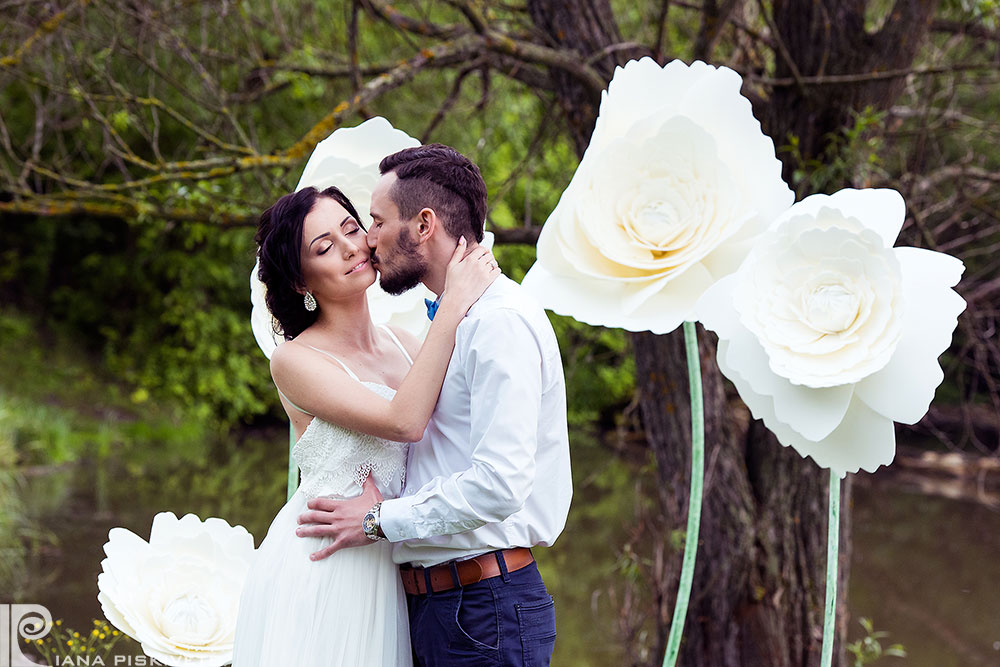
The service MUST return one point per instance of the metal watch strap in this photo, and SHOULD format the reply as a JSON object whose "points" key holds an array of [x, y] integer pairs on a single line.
{"points": [[370, 524]]}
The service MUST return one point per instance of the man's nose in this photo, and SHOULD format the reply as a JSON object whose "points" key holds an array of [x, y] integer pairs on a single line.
{"points": [[371, 238]]}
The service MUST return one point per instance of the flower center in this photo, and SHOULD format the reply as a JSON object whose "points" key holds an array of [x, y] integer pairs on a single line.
{"points": [[189, 618], [831, 308], [656, 223]]}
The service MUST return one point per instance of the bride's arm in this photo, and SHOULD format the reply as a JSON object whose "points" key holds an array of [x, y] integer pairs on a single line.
{"points": [[330, 394]]}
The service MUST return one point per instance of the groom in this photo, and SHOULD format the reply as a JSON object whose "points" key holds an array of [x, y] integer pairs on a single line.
{"points": [[491, 475]]}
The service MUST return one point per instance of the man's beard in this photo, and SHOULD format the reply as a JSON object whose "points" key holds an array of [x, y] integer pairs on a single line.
{"points": [[410, 267]]}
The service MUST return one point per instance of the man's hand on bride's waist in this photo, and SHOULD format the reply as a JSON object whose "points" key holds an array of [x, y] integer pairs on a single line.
{"points": [[340, 520]]}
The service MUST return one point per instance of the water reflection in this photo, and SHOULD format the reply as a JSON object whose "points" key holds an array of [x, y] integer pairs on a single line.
{"points": [[924, 568]]}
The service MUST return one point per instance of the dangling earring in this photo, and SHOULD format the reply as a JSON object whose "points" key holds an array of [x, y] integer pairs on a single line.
{"points": [[310, 301]]}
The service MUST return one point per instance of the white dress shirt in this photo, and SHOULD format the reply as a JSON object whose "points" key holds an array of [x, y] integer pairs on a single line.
{"points": [[492, 470]]}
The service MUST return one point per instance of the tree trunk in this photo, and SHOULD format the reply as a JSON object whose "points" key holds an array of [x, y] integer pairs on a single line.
{"points": [[826, 37], [758, 591], [587, 26], [759, 585]]}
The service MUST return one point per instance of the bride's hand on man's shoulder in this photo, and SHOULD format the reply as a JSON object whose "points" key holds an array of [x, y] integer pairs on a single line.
{"points": [[468, 276]]}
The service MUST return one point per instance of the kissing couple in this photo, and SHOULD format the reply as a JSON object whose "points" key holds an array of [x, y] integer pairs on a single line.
{"points": [[428, 471]]}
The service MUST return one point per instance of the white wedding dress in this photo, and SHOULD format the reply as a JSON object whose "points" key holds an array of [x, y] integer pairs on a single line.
{"points": [[348, 609]]}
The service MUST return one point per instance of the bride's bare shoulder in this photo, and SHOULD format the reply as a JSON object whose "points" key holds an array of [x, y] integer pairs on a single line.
{"points": [[287, 356]]}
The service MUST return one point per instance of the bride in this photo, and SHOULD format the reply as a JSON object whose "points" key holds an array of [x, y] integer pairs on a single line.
{"points": [[355, 393]]}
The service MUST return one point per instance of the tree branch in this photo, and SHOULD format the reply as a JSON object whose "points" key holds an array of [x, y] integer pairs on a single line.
{"points": [[953, 172], [391, 15], [977, 30], [529, 75], [661, 30], [516, 235], [472, 15], [48, 26], [786, 57], [840, 79], [566, 60], [497, 42], [442, 55], [451, 98], [129, 211], [50, 207], [218, 167]]}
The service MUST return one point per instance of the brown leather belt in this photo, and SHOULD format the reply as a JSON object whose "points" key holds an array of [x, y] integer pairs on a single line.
{"points": [[443, 577]]}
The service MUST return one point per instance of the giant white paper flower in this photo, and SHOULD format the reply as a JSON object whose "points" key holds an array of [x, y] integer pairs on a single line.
{"points": [[178, 595], [677, 180], [830, 334], [349, 159]]}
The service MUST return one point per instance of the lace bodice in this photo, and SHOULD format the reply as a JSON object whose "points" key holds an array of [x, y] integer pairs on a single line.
{"points": [[335, 460]]}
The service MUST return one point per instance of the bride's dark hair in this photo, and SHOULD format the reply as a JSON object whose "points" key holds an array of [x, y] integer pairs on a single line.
{"points": [[279, 248]]}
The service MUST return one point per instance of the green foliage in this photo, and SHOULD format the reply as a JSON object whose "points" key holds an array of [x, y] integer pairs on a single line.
{"points": [[58, 405], [13, 551], [850, 158], [166, 306], [869, 649], [986, 12], [600, 371], [189, 337]]}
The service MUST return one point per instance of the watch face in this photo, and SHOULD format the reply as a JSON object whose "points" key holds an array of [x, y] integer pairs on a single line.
{"points": [[368, 525]]}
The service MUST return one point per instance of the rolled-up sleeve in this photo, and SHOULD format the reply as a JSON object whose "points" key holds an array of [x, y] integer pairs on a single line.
{"points": [[502, 363]]}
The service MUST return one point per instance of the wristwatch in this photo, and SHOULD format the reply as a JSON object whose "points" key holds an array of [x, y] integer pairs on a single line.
{"points": [[370, 523]]}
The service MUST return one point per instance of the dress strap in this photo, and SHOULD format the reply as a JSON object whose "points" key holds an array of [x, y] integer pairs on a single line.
{"points": [[280, 393], [342, 364], [396, 341]]}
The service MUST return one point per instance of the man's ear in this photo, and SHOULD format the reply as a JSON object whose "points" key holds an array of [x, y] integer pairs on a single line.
{"points": [[427, 224]]}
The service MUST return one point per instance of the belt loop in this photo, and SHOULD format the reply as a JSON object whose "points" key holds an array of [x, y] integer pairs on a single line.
{"points": [[427, 581], [503, 566], [453, 566]]}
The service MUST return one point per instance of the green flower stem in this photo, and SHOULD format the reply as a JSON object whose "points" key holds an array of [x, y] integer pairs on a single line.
{"points": [[694, 503], [832, 551], [293, 468]]}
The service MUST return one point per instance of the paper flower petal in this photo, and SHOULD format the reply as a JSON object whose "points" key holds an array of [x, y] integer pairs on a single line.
{"points": [[883, 208], [716, 311], [830, 334], [811, 412], [677, 169], [178, 593], [595, 302], [364, 145], [864, 440], [903, 390]]}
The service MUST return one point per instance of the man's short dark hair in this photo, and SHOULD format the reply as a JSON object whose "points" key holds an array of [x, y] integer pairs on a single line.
{"points": [[438, 177]]}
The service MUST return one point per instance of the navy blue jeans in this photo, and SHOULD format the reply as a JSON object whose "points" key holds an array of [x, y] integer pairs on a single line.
{"points": [[504, 620]]}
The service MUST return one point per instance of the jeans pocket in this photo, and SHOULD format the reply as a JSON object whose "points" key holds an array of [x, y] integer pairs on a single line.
{"points": [[537, 625], [477, 618]]}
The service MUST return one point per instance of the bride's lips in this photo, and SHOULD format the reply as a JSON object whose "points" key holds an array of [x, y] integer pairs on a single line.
{"points": [[359, 266]]}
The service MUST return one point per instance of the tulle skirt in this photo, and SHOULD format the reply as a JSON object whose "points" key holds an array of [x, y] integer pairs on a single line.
{"points": [[348, 609]]}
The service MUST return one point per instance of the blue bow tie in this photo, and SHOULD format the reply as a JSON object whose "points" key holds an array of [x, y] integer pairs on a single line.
{"points": [[432, 307]]}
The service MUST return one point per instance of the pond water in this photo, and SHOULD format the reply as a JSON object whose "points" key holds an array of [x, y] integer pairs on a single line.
{"points": [[925, 569]]}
